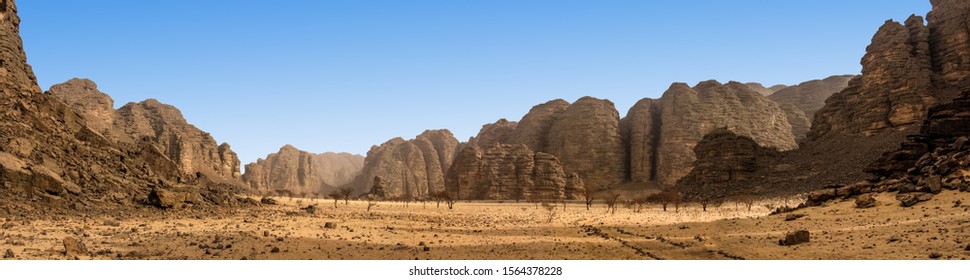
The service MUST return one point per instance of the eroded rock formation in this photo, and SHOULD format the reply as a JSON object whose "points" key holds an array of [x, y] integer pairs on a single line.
{"points": [[586, 139], [683, 115], [759, 88], [302, 172], [725, 161], [191, 148], [409, 168], [907, 68], [503, 171], [52, 160]]}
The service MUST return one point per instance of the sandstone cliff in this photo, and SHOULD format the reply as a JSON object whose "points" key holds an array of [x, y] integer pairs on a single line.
{"points": [[413, 168], [502, 171], [586, 139], [51, 160], [906, 69], [191, 148], [661, 134], [810, 96], [759, 88], [725, 161], [301, 172]]}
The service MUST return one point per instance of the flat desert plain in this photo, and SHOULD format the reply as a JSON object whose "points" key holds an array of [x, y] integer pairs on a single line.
{"points": [[936, 229]]}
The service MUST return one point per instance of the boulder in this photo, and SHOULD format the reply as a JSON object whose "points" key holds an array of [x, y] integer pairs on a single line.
{"points": [[795, 238]]}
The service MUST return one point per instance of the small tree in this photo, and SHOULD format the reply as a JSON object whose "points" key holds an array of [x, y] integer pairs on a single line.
{"points": [[345, 192], [551, 210], [588, 194], [447, 198], [747, 200], [336, 195], [666, 197], [611, 198]]}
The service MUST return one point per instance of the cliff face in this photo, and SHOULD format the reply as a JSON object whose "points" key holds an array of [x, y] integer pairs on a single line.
{"points": [[414, 168], [724, 159], [810, 96], [301, 172], [503, 171], [586, 139], [907, 68], [683, 115], [192, 149], [52, 160], [533, 129]]}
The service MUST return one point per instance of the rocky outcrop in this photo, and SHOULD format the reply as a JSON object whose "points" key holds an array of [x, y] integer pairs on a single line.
{"points": [[725, 161], [586, 139], [949, 43], [897, 83], [800, 124], [810, 96], [494, 133], [52, 160], [759, 88], [163, 125], [641, 133], [301, 172], [687, 114], [533, 129], [503, 171], [84, 97], [413, 168]]}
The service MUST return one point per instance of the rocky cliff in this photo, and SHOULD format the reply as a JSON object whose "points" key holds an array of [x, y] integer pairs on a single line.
{"points": [[662, 133], [51, 160], [725, 161], [586, 139], [906, 69], [409, 168], [810, 96], [759, 88], [194, 150], [503, 171], [533, 129], [301, 172]]}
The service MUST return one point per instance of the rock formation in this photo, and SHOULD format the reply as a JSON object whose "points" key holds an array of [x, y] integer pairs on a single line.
{"points": [[533, 129], [503, 171], [906, 69], [586, 139], [662, 133], [724, 159], [494, 133], [413, 168], [194, 150], [759, 88], [810, 96], [301, 172], [51, 160]]}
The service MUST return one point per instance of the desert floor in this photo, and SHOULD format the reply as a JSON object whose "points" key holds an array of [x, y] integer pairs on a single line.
{"points": [[938, 229]]}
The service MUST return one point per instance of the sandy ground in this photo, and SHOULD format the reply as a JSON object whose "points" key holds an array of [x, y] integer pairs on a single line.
{"points": [[498, 231]]}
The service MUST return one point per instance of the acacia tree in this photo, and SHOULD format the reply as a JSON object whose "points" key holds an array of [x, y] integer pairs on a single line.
{"points": [[666, 197], [611, 198], [345, 192], [336, 195], [588, 194]]}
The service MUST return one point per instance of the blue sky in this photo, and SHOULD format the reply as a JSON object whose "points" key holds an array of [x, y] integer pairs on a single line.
{"points": [[345, 75]]}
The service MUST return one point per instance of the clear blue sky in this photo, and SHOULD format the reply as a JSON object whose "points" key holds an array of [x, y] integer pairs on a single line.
{"points": [[345, 75]]}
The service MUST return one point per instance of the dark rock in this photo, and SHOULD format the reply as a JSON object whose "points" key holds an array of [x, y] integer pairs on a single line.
{"points": [[865, 201], [275, 250], [330, 225], [910, 199], [268, 201], [8, 254], [792, 217], [798, 237]]}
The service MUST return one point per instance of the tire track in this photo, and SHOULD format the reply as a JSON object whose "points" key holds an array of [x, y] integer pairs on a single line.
{"points": [[591, 230]]}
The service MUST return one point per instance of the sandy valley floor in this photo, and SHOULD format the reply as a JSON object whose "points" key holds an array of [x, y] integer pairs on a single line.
{"points": [[939, 228]]}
